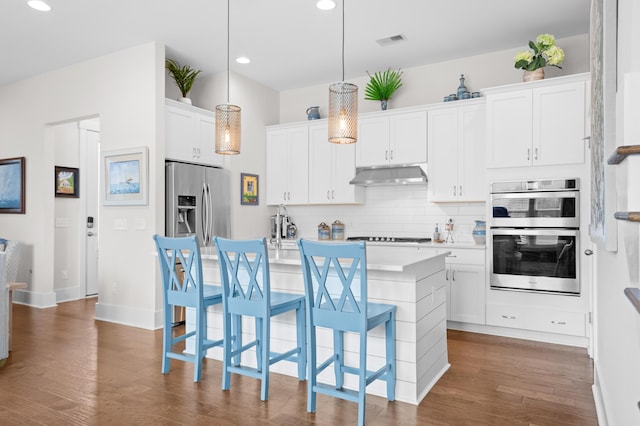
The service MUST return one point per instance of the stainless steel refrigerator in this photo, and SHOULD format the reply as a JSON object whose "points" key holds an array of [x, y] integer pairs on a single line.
{"points": [[197, 201]]}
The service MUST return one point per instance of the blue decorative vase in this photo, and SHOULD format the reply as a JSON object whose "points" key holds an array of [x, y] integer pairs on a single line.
{"points": [[462, 89], [313, 113], [479, 233]]}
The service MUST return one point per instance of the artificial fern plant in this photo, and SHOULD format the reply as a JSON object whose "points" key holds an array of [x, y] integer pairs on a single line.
{"points": [[184, 75], [382, 85]]}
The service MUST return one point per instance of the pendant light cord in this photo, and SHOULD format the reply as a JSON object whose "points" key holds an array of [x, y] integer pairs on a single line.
{"points": [[228, 36], [343, 40]]}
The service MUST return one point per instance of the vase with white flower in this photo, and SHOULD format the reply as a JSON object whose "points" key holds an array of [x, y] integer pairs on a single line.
{"points": [[545, 52]]}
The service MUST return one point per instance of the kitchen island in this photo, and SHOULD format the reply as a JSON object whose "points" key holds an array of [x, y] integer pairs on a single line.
{"points": [[412, 280]]}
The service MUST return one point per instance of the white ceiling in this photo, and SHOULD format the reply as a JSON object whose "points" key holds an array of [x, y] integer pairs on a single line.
{"points": [[290, 42]]}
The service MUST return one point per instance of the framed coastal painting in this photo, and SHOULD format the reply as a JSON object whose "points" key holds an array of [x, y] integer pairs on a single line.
{"points": [[12, 185], [124, 176], [67, 182], [248, 189]]}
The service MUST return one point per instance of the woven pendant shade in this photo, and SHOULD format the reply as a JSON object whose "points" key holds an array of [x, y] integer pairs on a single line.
{"points": [[343, 113], [227, 129]]}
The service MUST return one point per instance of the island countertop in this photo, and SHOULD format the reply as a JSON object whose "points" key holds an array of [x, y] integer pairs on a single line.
{"points": [[392, 259]]}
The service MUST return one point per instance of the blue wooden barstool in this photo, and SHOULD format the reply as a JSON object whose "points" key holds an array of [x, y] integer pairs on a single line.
{"points": [[335, 277], [246, 289], [189, 290]]}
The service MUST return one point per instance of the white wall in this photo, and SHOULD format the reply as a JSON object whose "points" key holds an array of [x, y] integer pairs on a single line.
{"points": [[126, 89], [617, 361], [66, 251], [430, 83]]}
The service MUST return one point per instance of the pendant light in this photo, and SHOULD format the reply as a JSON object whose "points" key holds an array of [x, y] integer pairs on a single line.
{"points": [[343, 106], [227, 115]]}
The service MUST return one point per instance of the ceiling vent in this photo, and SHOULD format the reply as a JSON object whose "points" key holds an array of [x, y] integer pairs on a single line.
{"points": [[391, 40]]}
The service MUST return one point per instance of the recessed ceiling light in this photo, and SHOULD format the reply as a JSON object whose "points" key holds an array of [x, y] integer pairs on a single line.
{"points": [[243, 60], [326, 4], [39, 5]]}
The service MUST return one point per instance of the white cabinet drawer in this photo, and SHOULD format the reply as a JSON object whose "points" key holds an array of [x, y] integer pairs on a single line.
{"points": [[572, 323], [466, 256], [532, 318], [505, 316]]}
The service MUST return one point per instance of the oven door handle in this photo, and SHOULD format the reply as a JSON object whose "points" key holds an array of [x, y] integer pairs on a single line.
{"points": [[534, 231], [550, 194]]}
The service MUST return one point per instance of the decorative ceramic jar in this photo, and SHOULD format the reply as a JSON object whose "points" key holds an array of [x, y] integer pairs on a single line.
{"points": [[479, 233], [323, 231], [462, 89], [313, 113], [533, 75], [337, 230]]}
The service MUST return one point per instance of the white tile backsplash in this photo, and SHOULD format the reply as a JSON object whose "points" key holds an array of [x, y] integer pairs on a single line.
{"points": [[399, 211]]}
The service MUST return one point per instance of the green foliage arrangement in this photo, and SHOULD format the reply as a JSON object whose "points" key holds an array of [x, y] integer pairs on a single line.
{"points": [[382, 85], [545, 52], [183, 75]]}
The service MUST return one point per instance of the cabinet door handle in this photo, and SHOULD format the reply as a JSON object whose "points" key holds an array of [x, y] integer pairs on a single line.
{"points": [[446, 275], [327, 194], [453, 275], [509, 317], [528, 154], [454, 190], [391, 154], [193, 153], [386, 154], [284, 195], [332, 195], [288, 196], [559, 322], [535, 154], [460, 192]]}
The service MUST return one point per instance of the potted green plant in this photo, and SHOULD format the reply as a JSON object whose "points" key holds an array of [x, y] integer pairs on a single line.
{"points": [[382, 86], [545, 52], [184, 77]]}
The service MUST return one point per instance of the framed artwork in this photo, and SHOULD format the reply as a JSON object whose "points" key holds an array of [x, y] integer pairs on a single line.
{"points": [[124, 177], [248, 189], [67, 182], [12, 185]]}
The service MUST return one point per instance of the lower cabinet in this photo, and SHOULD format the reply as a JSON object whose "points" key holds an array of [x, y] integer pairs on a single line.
{"points": [[537, 319], [465, 276]]}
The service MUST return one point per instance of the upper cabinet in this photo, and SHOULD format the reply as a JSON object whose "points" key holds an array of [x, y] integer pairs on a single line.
{"points": [[190, 134], [537, 126], [331, 167], [288, 165], [456, 166], [386, 139]]}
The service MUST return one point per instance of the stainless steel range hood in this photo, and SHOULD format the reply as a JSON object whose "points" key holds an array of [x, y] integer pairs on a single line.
{"points": [[395, 175]]}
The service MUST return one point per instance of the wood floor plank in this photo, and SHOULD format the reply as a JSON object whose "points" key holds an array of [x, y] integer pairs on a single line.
{"points": [[66, 368]]}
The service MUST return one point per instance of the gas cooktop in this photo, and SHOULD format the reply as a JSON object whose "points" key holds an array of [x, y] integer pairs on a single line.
{"points": [[392, 239]]}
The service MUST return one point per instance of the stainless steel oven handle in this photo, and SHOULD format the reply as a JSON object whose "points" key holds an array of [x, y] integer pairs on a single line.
{"points": [[534, 231], [543, 194]]}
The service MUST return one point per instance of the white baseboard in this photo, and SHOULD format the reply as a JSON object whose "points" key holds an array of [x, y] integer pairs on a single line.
{"points": [[67, 294], [538, 336], [127, 315], [601, 411], [34, 299]]}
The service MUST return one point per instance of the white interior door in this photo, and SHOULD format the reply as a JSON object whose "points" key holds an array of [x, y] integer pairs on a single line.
{"points": [[90, 146]]}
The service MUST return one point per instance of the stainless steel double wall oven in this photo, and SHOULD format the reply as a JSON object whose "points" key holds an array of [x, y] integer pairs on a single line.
{"points": [[534, 236]]}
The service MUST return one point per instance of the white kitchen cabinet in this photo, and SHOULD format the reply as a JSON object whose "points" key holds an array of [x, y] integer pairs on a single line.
{"points": [[465, 280], [190, 134], [539, 126], [331, 167], [288, 165], [386, 139], [456, 146]]}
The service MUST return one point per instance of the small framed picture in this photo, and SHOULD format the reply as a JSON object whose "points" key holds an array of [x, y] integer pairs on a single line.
{"points": [[248, 189], [67, 182], [12, 187], [124, 177]]}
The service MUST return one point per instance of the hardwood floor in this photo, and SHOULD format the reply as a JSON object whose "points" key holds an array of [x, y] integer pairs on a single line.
{"points": [[66, 368]]}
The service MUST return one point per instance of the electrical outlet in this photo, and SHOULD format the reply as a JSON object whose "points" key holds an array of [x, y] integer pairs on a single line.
{"points": [[65, 274]]}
